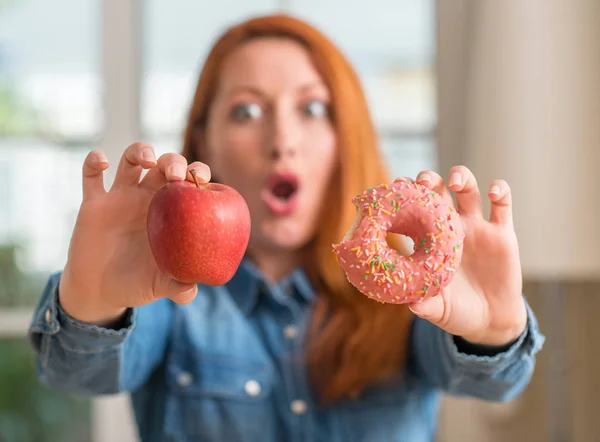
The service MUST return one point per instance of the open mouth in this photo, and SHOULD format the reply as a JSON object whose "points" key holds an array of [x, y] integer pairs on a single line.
{"points": [[284, 189], [280, 192]]}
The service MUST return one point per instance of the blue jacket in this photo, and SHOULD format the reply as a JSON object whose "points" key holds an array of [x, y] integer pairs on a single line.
{"points": [[229, 367]]}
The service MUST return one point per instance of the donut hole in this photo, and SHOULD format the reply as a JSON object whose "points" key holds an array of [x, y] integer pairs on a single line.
{"points": [[401, 243]]}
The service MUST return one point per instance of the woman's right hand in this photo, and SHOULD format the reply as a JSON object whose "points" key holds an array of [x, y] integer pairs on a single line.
{"points": [[110, 266]]}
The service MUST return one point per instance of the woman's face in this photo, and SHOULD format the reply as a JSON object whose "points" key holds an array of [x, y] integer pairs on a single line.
{"points": [[269, 136]]}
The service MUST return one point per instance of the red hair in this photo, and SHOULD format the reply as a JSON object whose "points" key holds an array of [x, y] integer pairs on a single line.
{"points": [[353, 341]]}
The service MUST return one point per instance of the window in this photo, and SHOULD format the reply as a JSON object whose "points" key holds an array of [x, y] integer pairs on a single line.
{"points": [[54, 99], [49, 118], [178, 35], [391, 45], [393, 53]]}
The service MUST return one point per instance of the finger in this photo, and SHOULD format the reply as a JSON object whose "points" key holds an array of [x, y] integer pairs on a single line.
{"points": [[170, 167], [435, 182], [174, 167], [431, 309], [93, 177], [462, 182], [501, 199], [136, 157], [178, 292], [201, 171], [405, 179], [184, 293]]}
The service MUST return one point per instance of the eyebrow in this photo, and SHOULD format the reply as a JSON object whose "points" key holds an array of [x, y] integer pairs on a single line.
{"points": [[308, 86], [238, 89], [255, 91]]}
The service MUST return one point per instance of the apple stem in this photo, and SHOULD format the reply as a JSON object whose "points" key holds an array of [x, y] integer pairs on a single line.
{"points": [[193, 173]]}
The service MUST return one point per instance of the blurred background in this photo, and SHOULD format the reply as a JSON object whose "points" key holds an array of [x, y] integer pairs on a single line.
{"points": [[510, 89]]}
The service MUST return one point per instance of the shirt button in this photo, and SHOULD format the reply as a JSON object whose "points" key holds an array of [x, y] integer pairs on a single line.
{"points": [[48, 317], [290, 332], [298, 406], [184, 379], [252, 388]]}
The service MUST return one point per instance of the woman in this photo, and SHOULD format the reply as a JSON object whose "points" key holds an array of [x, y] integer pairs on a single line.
{"points": [[287, 350]]}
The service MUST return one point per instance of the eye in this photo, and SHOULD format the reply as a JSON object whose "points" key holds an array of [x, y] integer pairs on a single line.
{"points": [[246, 111], [315, 109]]}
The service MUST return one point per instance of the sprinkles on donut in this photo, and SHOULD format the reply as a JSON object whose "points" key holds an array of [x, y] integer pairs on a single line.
{"points": [[411, 209]]}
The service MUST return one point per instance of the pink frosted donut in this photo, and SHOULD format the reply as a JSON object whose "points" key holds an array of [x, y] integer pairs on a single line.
{"points": [[410, 209]]}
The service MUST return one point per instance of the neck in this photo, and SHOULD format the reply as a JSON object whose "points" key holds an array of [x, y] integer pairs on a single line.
{"points": [[275, 265]]}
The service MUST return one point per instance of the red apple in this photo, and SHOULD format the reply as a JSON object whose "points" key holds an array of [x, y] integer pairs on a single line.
{"points": [[198, 233]]}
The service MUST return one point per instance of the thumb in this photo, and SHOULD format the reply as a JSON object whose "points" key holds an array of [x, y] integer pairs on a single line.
{"points": [[178, 292], [431, 309], [185, 294]]}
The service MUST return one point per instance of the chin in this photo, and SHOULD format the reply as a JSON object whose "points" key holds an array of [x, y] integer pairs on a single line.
{"points": [[287, 243], [282, 238]]}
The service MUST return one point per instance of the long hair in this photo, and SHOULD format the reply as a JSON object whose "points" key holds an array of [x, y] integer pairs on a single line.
{"points": [[353, 341]]}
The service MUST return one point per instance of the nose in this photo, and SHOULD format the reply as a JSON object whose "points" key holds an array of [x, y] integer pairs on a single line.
{"points": [[285, 136], [278, 153]]}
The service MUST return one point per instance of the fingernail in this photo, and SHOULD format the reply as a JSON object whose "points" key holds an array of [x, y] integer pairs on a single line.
{"points": [[423, 177], [495, 190], [148, 155], [455, 179], [200, 175], [415, 311], [177, 171], [100, 158]]}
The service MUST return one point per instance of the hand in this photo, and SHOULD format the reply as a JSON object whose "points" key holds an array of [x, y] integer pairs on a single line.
{"points": [[110, 266], [483, 304]]}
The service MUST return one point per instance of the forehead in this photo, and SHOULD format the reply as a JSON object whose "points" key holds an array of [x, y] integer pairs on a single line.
{"points": [[269, 63]]}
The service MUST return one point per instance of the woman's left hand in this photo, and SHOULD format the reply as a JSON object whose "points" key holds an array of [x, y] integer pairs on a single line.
{"points": [[483, 304]]}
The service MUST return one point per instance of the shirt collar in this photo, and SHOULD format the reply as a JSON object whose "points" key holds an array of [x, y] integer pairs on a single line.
{"points": [[246, 285]]}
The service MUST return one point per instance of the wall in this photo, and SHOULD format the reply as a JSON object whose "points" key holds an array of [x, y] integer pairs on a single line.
{"points": [[519, 99]]}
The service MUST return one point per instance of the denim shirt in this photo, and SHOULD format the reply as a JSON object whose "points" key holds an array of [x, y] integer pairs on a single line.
{"points": [[229, 367]]}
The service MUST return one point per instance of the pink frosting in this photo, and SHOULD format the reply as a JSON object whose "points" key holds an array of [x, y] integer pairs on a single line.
{"points": [[410, 209]]}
